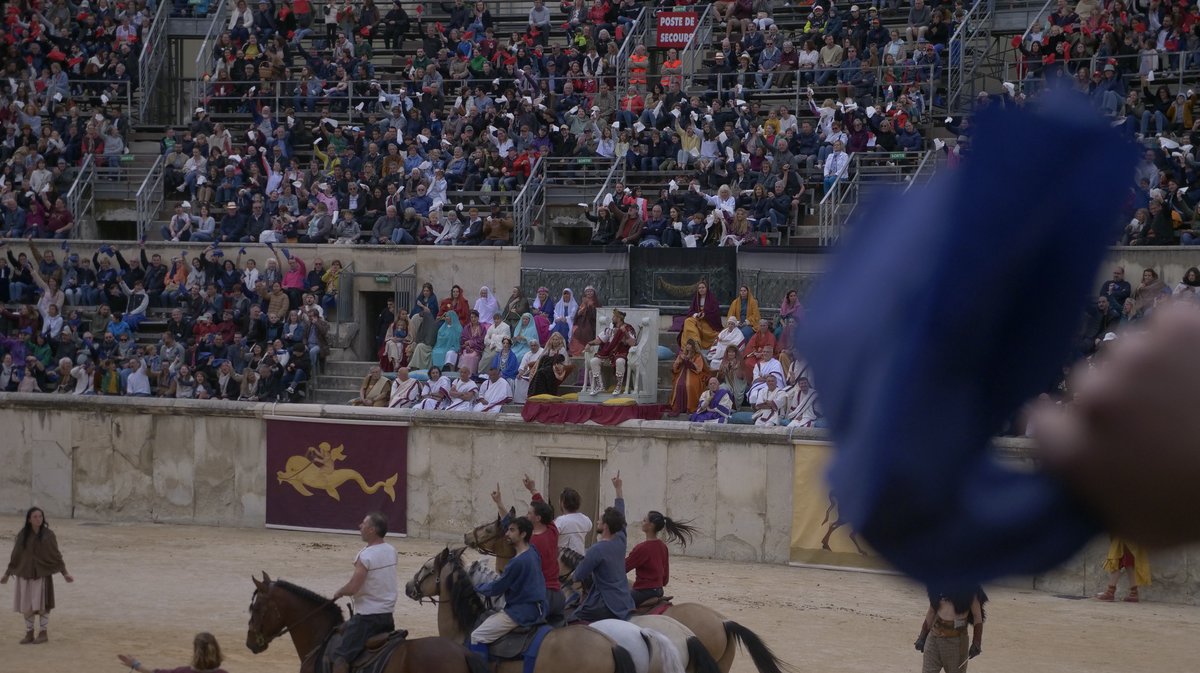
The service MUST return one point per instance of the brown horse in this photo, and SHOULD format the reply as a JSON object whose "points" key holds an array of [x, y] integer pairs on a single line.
{"points": [[578, 649], [489, 540], [720, 636], [279, 607]]}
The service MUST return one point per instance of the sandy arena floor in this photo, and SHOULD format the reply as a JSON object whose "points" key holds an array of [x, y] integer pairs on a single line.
{"points": [[146, 589]]}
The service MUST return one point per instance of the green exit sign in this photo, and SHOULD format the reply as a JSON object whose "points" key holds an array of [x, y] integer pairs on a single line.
{"points": [[383, 279]]}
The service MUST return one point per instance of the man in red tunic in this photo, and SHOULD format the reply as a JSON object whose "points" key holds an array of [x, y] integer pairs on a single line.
{"points": [[614, 344], [544, 540]]}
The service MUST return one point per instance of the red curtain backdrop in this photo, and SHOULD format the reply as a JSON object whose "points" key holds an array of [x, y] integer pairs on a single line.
{"points": [[329, 475]]}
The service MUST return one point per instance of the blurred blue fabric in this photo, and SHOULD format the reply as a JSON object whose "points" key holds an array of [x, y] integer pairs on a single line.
{"points": [[944, 311]]}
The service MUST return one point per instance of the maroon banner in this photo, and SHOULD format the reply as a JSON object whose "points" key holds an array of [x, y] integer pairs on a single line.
{"points": [[327, 476], [675, 28]]}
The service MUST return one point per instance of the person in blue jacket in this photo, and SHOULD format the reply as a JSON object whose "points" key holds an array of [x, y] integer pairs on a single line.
{"points": [[523, 588], [604, 564]]}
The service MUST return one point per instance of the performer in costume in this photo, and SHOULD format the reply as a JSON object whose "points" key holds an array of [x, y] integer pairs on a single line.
{"points": [[614, 344]]}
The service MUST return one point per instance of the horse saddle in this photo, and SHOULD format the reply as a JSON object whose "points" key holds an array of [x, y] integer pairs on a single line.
{"points": [[515, 643], [375, 656], [653, 606]]}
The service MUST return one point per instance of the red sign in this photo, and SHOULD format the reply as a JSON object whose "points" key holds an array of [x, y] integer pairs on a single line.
{"points": [[676, 28], [327, 476]]}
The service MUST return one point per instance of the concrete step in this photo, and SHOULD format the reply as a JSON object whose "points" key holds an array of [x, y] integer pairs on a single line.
{"points": [[356, 368], [347, 384]]}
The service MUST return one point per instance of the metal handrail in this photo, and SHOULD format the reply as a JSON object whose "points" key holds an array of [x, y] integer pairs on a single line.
{"points": [[840, 201], [1162, 74], [149, 198], [80, 197], [616, 173], [1038, 17], [634, 37], [95, 92], [530, 204], [150, 62], [928, 164], [204, 57], [960, 73], [692, 56]]}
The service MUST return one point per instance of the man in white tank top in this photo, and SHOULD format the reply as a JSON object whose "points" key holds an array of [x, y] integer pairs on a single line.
{"points": [[374, 589], [573, 525]]}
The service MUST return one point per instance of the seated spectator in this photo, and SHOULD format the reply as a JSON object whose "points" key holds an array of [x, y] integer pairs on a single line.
{"points": [[462, 393], [375, 390], [492, 394], [703, 318]]}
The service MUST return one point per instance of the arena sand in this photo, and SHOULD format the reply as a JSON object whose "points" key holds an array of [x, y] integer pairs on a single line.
{"points": [[147, 589]]}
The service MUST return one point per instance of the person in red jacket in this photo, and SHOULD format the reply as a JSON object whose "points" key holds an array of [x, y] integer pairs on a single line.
{"points": [[650, 560], [544, 540]]}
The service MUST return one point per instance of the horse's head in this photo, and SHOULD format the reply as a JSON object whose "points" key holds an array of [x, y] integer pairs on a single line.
{"points": [[276, 607], [444, 577], [266, 620], [489, 538], [427, 582]]}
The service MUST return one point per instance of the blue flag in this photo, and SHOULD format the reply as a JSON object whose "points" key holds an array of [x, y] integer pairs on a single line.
{"points": [[945, 310]]}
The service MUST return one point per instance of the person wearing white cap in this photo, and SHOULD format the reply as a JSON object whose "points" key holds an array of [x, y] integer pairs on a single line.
{"points": [[179, 228]]}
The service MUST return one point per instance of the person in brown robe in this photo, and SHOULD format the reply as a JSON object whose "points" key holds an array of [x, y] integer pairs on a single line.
{"points": [[585, 321], [35, 560]]}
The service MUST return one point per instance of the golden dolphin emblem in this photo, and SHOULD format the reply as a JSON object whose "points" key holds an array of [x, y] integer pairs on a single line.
{"points": [[315, 470]]}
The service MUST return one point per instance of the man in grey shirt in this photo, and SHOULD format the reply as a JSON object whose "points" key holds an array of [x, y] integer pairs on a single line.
{"points": [[539, 18], [919, 17], [604, 563]]}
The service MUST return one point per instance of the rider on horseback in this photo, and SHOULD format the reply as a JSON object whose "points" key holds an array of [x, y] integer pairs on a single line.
{"points": [[374, 588], [522, 585], [544, 540], [573, 525], [650, 560], [604, 563]]}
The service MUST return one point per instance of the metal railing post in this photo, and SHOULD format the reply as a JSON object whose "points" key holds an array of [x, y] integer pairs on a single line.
{"points": [[150, 61], [149, 198]]}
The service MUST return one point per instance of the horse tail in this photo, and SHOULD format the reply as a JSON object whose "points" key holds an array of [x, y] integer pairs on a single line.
{"points": [[622, 661], [764, 659], [699, 660], [475, 664], [389, 486], [671, 663]]}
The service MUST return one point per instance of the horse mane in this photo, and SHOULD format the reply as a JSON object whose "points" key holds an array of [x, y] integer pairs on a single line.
{"points": [[330, 608], [465, 603], [570, 557]]}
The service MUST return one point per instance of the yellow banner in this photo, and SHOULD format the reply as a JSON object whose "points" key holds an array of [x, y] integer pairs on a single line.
{"points": [[819, 536]]}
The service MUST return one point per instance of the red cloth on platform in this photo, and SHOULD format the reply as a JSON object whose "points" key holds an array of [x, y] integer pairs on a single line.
{"points": [[560, 412]]}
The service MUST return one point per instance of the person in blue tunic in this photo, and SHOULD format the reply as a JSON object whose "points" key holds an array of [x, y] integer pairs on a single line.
{"points": [[604, 564], [523, 588]]}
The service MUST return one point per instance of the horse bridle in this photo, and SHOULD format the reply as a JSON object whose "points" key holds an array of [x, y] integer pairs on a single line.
{"points": [[263, 641], [478, 543], [419, 577]]}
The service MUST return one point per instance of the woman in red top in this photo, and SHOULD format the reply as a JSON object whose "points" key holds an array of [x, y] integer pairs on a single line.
{"points": [[650, 560], [206, 658], [457, 303]]}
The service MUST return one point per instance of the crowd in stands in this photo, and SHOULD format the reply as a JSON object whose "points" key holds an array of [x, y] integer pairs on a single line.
{"points": [[470, 112], [69, 73], [235, 331], [1127, 59], [444, 355]]}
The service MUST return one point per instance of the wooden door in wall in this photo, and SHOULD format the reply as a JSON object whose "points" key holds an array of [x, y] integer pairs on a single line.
{"points": [[583, 476]]}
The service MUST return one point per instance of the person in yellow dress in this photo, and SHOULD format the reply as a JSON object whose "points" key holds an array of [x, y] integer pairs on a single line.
{"points": [[1124, 555], [704, 318]]}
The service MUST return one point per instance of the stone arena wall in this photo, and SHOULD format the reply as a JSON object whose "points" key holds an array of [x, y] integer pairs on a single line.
{"points": [[203, 462]]}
